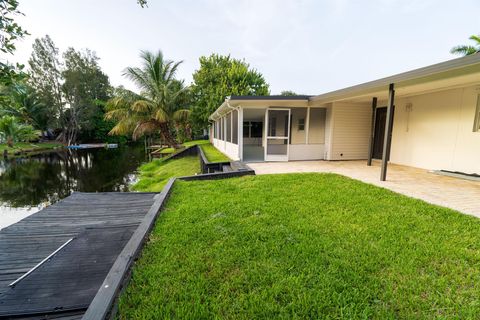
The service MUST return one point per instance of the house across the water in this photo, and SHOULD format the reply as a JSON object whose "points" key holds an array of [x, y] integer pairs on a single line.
{"points": [[426, 118]]}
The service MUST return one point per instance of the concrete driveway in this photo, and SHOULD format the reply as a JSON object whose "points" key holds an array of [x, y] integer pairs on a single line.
{"points": [[455, 193]]}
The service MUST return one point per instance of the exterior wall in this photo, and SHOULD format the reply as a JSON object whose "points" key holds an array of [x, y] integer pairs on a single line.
{"points": [[315, 125], [298, 136], [300, 149], [349, 131], [231, 150], [328, 132], [226, 126], [435, 131], [306, 152]]}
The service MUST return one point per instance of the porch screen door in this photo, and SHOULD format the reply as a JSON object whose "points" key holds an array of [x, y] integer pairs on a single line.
{"points": [[277, 134]]}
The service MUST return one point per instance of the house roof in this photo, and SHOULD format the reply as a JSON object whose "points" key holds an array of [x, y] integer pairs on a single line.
{"points": [[234, 101], [447, 69], [464, 70], [273, 97]]}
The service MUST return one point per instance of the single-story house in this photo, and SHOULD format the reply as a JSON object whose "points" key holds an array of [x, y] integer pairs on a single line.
{"points": [[426, 118]]}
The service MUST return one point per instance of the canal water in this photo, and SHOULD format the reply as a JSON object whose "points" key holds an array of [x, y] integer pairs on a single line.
{"points": [[29, 184]]}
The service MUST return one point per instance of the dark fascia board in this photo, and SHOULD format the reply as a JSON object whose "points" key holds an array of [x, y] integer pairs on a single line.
{"points": [[275, 97]]}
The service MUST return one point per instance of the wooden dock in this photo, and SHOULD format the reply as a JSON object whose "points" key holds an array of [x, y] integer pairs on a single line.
{"points": [[89, 230]]}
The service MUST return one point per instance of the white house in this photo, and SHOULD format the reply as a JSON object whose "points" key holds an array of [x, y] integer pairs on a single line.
{"points": [[427, 118]]}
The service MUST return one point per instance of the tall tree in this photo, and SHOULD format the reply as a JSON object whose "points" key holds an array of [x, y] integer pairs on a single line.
{"points": [[159, 105], [10, 31], [218, 77], [288, 93], [45, 76], [85, 87], [466, 50]]}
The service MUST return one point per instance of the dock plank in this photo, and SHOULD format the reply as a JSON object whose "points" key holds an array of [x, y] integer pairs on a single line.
{"points": [[100, 223]]}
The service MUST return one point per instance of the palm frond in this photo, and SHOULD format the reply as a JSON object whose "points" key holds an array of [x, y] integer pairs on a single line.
{"points": [[145, 127], [141, 106], [162, 115], [181, 115], [475, 38], [464, 50]]}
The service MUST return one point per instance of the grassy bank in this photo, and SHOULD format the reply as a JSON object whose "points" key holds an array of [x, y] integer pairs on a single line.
{"points": [[29, 147], [154, 175], [212, 154], [304, 246], [185, 145]]}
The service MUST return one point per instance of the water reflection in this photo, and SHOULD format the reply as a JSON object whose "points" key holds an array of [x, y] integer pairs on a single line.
{"points": [[28, 184]]}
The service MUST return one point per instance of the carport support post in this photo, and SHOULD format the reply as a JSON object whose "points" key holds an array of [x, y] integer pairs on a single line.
{"points": [[388, 132], [372, 131]]}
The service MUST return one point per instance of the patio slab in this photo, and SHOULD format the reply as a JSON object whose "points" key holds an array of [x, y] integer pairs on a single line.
{"points": [[458, 194]]}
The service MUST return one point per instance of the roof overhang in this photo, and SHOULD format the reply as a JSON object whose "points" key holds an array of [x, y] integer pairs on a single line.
{"points": [[449, 74], [441, 75], [234, 102]]}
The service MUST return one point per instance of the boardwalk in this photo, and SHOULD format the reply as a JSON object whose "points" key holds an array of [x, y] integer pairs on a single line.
{"points": [[100, 225]]}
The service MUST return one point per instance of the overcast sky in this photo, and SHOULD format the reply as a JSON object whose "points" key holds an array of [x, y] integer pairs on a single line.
{"points": [[306, 46]]}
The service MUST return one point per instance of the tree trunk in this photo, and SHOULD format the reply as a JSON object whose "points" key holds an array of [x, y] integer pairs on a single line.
{"points": [[167, 135], [10, 141]]}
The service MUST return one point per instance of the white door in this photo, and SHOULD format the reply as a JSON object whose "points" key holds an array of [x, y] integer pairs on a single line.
{"points": [[277, 134]]}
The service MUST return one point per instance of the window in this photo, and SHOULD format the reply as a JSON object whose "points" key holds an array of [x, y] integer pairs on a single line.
{"points": [[301, 124], [257, 130], [235, 127], [222, 132], [246, 129], [252, 129], [476, 123], [228, 118], [316, 127], [272, 123], [298, 126]]}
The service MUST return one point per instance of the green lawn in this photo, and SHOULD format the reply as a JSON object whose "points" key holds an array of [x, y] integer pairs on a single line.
{"points": [[212, 153], [29, 147], [304, 246], [154, 175]]}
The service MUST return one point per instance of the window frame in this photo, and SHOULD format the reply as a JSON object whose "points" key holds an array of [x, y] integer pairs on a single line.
{"points": [[301, 124]]}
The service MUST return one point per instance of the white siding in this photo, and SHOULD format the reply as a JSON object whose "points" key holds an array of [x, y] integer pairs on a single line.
{"points": [[306, 152], [350, 132], [232, 151], [437, 132], [298, 136], [328, 132]]}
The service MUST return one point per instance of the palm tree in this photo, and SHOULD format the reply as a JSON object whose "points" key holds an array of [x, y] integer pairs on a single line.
{"points": [[11, 130], [159, 105], [25, 105], [466, 50]]}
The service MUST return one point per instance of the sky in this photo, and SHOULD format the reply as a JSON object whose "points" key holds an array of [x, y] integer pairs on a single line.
{"points": [[307, 46]]}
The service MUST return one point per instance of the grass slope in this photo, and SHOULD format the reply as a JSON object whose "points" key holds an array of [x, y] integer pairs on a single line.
{"points": [[304, 246], [28, 147], [186, 145], [154, 175], [213, 154]]}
